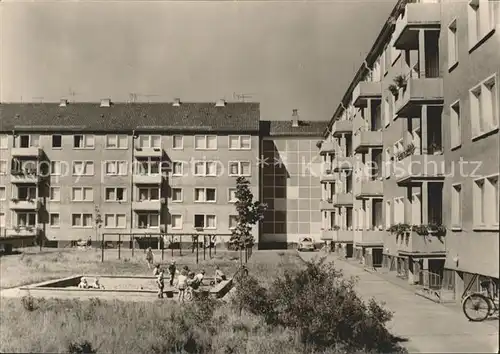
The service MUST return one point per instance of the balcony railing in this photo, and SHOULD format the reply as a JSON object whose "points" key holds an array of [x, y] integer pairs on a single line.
{"points": [[417, 92], [342, 199], [419, 168], [342, 127], [327, 147], [369, 188], [329, 234], [32, 151], [366, 90], [326, 204], [148, 152], [371, 237], [363, 140], [25, 204], [152, 205], [148, 178], [411, 243]]}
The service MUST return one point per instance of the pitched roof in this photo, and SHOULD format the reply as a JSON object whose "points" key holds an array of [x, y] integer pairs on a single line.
{"points": [[285, 128], [235, 116]]}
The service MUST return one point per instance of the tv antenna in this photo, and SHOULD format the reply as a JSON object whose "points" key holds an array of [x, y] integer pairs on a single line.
{"points": [[241, 96], [38, 98]]}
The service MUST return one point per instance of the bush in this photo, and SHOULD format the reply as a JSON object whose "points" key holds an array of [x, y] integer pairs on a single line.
{"points": [[84, 347]]}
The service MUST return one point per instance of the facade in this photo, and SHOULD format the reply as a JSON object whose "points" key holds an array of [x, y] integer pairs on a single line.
{"points": [[150, 169], [411, 155]]}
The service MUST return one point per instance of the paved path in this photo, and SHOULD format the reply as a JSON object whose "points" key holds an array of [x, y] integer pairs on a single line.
{"points": [[428, 326]]}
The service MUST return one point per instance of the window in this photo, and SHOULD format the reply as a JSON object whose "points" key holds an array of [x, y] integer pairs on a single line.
{"points": [[83, 168], [115, 194], [81, 220], [205, 221], [205, 168], [148, 220], [26, 193], [26, 141], [83, 142], [149, 141], [484, 107], [82, 194], [456, 206], [115, 221], [3, 195], [205, 195], [178, 168], [388, 162], [55, 168], [55, 194], [486, 201], [3, 167], [147, 166], [149, 193], [177, 142], [388, 214], [2, 219], [205, 142], [26, 219], [239, 168], [233, 221], [176, 194], [4, 141], [240, 142], [452, 44], [231, 195], [483, 16], [455, 121], [116, 141], [54, 220], [176, 222], [116, 168], [57, 141]]}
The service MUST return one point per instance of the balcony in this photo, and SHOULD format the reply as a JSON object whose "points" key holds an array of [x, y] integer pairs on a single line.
{"points": [[364, 140], [328, 176], [418, 92], [33, 204], [366, 90], [412, 243], [328, 234], [342, 127], [370, 188], [22, 231], [327, 147], [148, 152], [149, 205], [418, 168], [24, 176], [342, 163], [341, 199], [33, 151], [148, 178], [344, 236], [416, 16], [326, 205], [370, 238]]}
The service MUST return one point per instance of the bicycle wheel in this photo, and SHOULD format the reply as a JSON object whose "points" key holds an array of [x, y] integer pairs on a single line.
{"points": [[476, 307]]}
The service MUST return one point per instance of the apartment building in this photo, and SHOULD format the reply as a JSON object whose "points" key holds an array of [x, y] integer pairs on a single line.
{"points": [[290, 177], [417, 130], [139, 168]]}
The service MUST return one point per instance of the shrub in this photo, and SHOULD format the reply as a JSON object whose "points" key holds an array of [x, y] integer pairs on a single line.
{"points": [[84, 347], [29, 303]]}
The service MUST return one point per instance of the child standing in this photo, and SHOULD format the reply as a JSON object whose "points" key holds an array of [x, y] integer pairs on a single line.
{"points": [[149, 257], [161, 284], [182, 285], [157, 270], [171, 271]]}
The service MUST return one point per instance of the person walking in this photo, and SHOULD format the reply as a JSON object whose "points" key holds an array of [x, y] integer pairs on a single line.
{"points": [[171, 271], [181, 286], [149, 257], [161, 284]]}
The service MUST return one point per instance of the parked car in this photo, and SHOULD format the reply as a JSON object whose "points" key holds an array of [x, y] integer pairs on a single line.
{"points": [[306, 244]]}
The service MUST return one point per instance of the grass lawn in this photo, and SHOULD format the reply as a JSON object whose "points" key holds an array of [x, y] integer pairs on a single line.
{"points": [[122, 327]]}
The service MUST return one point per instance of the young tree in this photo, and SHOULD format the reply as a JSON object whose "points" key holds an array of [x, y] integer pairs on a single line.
{"points": [[249, 213]]}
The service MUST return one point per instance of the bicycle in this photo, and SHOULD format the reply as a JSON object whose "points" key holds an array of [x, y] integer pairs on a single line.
{"points": [[482, 304]]}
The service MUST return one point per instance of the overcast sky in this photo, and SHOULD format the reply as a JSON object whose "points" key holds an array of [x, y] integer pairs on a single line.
{"points": [[285, 54]]}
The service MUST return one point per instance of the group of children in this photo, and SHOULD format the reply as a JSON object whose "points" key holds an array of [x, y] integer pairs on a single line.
{"points": [[85, 285], [185, 278]]}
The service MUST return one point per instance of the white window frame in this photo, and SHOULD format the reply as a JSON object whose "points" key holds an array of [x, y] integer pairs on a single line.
{"points": [[82, 188], [455, 125], [116, 194], [206, 142], [51, 194], [149, 189], [177, 200], [82, 218], [149, 215], [182, 142], [240, 169], [453, 53], [205, 195], [480, 207], [205, 218], [456, 190], [27, 213], [477, 107], [205, 169], [29, 191], [84, 140], [115, 218], [117, 137], [229, 221], [58, 219], [150, 162], [180, 163], [172, 224], [240, 138], [30, 140], [3, 171], [229, 200], [53, 169], [150, 141], [388, 214], [4, 141], [4, 188], [52, 142], [86, 163], [484, 12], [117, 164], [3, 219]]}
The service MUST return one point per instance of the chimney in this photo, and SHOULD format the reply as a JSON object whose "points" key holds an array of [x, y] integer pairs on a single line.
{"points": [[63, 102], [295, 118], [220, 103], [177, 102], [105, 102]]}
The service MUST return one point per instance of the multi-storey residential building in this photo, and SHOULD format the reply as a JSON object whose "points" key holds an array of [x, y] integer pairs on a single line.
{"points": [[421, 117], [151, 169]]}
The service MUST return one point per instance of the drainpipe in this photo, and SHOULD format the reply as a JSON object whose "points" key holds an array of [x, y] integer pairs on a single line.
{"points": [[132, 187]]}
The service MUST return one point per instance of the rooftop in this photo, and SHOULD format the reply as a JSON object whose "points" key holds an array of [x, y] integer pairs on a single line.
{"points": [[286, 128]]}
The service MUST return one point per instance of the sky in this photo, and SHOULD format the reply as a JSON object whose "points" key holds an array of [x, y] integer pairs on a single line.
{"points": [[284, 54]]}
